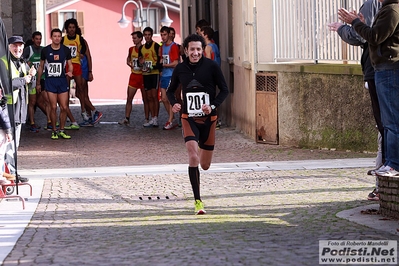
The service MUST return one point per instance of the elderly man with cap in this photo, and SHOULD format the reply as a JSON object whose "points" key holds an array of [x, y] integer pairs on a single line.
{"points": [[22, 76]]}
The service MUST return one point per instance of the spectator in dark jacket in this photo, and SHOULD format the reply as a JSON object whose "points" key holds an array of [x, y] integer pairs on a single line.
{"points": [[348, 34], [383, 40]]}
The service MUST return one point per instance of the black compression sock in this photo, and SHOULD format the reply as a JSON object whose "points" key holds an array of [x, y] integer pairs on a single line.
{"points": [[194, 174]]}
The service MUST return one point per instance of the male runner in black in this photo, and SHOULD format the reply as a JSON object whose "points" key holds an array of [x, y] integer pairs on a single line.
{"points": [[199, 77]]}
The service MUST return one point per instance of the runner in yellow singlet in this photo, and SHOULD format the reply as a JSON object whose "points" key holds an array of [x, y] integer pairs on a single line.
{"points": [[136, 77], [78, 47], [150, 61]]}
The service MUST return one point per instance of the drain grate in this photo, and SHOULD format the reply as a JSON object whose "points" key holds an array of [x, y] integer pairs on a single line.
{"points": [[153, 197]]}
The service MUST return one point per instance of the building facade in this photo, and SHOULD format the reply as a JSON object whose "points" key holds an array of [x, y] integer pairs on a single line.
{"points": [[22, 17], [109, 43], [292, 82]]}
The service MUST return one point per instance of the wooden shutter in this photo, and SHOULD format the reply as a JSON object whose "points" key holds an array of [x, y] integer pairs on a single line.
{"points": [[79, 18], [54, 20]]}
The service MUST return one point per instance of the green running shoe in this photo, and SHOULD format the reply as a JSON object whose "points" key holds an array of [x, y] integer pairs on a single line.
{"points": [[63, 135], [199, 207], [54, 135], [72, 126]]}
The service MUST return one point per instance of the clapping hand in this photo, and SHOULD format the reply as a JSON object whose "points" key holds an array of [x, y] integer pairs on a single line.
{"points": [[32, 71], [334, 26], [346, 16]]}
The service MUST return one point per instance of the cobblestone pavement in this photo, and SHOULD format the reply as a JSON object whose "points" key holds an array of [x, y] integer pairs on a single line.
{"points": [[253, 218]]}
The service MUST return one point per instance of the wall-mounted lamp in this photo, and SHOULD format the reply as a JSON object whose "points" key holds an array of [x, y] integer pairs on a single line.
{"points": [[166, 21], [138, 20]]}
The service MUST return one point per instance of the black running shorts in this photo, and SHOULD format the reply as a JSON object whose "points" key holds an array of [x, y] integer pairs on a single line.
{"points": [[150, 81], [200, 129]]}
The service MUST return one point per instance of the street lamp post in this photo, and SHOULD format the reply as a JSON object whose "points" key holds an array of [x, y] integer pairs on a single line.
{"points": [[138, 20]]}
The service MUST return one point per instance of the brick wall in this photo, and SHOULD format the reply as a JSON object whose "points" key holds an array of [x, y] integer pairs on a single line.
{"points": [[389, 196]]}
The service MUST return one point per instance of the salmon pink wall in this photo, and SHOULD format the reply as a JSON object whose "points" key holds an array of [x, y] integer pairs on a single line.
{"points": [[109, 44]]}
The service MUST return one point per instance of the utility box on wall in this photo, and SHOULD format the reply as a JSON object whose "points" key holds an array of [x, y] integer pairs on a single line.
{"points": [[266, 108]]}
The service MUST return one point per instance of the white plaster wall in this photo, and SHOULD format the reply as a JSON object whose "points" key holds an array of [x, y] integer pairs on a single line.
{"points": [[264, 9]]}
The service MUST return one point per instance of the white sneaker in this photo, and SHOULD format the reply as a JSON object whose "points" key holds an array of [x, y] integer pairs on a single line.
{"points": [[382, 169], [124, 122], [374, 171], [85, 116], [169, 125], [155, 122], [148, 123], [387, 171]]}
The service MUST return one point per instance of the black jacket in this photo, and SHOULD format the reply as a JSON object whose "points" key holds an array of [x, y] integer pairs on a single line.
{"points": [[348, 34], [4, 119], [383, 36]]}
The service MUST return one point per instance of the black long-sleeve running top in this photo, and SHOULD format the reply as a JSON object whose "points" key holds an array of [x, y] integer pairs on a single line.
{"points": [[198, 81]]}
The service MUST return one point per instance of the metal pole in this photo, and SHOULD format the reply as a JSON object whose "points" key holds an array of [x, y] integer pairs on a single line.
{"points": [[316, 35]]}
